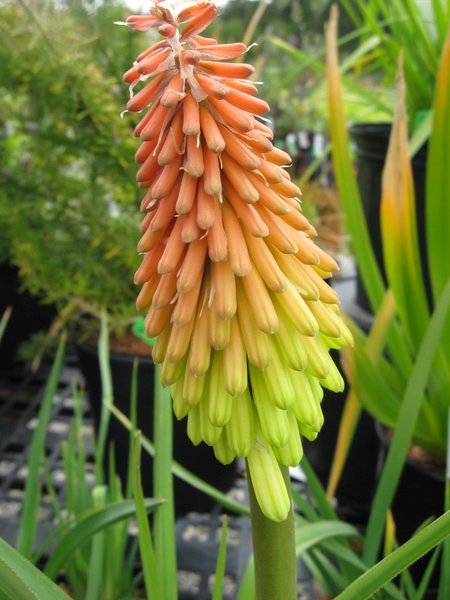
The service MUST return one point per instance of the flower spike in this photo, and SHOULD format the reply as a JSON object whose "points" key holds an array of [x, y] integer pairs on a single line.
{"points": [[232, 281]]}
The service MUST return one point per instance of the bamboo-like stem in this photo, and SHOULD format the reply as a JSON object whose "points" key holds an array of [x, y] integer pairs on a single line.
{"points": [[273, 551]]}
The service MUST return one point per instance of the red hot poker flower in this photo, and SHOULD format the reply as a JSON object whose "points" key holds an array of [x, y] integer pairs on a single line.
{"points": [[232, 282]]}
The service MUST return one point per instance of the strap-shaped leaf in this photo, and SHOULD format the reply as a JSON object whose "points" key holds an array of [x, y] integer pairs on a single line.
{"points": [[28, 521], [94, 521], [376, 577], [399, 228], [19, 578], [351, 199], [221, 562], [149, 565], [438, 180], [409, 411], [343, 167]]}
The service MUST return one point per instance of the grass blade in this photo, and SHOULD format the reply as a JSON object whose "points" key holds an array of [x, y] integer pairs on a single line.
{"points": [[221, 563], [21, 579], [350, 196], [424, 582], [164, 521], [89, 523], [440, 19], [376, 577], [133, 430], [317, 492], [148, 559], [421, 134], [247, 586], [343, 168], [312, 534], [324, 571], [95, 573], [438, 180], [444, 582], [28, 521], [409, 410]]}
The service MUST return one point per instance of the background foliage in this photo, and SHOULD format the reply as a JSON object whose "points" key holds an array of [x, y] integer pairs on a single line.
{"points": [[68, 202]]}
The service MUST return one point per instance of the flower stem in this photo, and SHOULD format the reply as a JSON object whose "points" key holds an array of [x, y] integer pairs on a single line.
{"points": [[273, 550]]}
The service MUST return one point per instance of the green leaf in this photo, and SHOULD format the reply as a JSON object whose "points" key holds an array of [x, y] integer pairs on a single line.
{"points": [[350, 196], [148, 559], [312, 534], [444, 582], [346, 555], [133, 430], [343, 168], [425, 581], [28, 521], [247, 587], [421, 133], [94, 578], [21, 580], [324, 507], [409, 411], [324, 571], [375, 578], [221, 562], [438, 180], [91, 522]]}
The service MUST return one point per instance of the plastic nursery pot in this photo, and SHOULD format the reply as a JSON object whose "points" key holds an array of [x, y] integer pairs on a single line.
{"points": [[371, 144], [28, 315], [200, 460], [420, 495], [355, 491]]}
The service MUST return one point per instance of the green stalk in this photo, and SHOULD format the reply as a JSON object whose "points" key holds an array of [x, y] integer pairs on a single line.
{"points": [[107, 397], [164, 520], [273, 550]]}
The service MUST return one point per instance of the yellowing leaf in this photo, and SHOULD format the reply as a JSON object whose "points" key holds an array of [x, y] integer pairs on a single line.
{"points": [[399, 229]]}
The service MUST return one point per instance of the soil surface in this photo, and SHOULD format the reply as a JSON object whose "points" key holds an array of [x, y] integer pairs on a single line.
{"points": [[422, 458], [127, 343]]}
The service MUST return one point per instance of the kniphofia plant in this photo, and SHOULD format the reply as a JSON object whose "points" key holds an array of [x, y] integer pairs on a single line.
{"points": [[233, 284]]}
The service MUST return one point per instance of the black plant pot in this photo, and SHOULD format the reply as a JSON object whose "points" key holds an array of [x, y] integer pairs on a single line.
{"points": [[420, 495], [355, 491], [200, 460], [371, 144], [28, 315]]}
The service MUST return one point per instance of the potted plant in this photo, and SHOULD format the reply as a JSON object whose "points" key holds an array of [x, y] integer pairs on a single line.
{"points": [[381, 366], [420, 29]]}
